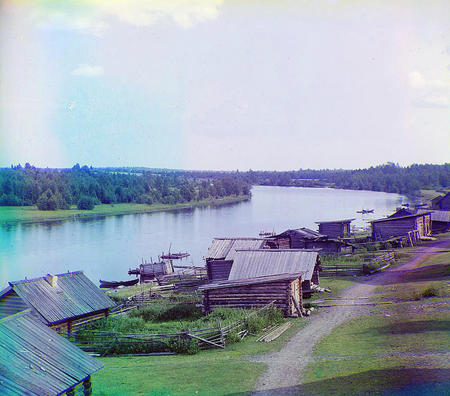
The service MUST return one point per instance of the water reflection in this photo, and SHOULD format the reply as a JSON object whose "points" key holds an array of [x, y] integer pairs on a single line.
{"points": [[106, 247]]}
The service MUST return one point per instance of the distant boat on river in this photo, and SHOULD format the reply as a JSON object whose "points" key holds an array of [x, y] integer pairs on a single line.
{"points": [[364, 211]]}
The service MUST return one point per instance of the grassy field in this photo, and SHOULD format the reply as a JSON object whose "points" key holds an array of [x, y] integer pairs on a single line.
{"points": [[213, 372], [402, 347], [29, 214]]}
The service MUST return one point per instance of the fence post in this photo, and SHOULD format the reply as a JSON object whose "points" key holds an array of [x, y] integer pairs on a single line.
{"points": [[222, 338]]}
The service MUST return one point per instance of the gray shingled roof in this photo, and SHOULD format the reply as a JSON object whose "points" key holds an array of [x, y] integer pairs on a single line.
{"points": [[256, 263], [437, 215], [73, 295], [35, 360], [251, 281], [225, 248]]}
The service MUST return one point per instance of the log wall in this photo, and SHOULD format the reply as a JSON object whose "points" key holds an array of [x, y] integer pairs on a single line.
{"points": [[334, 230], [253, 296], [218, 269]]}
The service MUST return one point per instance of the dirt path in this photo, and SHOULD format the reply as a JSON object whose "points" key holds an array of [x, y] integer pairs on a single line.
{"points": [[287, 365]]}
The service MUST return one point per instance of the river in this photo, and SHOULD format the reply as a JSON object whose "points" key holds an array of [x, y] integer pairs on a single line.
{"points": [[106, 248]]}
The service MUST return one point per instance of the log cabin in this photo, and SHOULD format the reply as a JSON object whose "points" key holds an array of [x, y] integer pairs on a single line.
{"points": [[249, 264], [63, 302], [220, 255], [383, 229], [283, 289], [441, 202], [304, 238], [440, 220], [35, 360], [150, 271], [335, 228]]}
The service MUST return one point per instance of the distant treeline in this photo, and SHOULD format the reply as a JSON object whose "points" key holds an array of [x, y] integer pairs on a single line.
{"points": [[387, 178], [86, 186], [52, 189]]}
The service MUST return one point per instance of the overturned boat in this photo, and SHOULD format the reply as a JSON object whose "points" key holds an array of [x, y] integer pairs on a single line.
{"points": [[113, 284]]}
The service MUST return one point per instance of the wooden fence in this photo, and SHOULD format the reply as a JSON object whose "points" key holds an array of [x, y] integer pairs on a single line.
{"points": [[109, 342]]}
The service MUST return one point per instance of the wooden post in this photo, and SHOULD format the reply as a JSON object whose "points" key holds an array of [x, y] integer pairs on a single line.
{"points": [[222, 338]]}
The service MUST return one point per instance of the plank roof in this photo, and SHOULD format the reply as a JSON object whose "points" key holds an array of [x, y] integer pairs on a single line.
{"points": [[302, 233], [225, 248], [251, 281], [263, 262], [437, 215], [73, 295], [335, 221], [38, 361], [400, 217]]}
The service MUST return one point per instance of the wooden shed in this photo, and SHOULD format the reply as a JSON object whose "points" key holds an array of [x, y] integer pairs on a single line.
{"points": [[335, 228], [62, 302], [220, 255], [390, 227], [440, 220], [304, 238], [283, 289], [249, 264], [37, 361], [441, 202]]}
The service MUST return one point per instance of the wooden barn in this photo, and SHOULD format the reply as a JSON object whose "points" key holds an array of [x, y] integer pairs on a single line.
{"points": [[37, 361], [440, 220], [62, 302], [441, 202], [335, 228], [283, 289], [304, 238], [249, 264], [383, 229], [220, 255], [149, 271]]}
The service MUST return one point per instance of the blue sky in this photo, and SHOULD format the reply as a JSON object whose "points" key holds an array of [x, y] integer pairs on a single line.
{"points": [[218, 84]]}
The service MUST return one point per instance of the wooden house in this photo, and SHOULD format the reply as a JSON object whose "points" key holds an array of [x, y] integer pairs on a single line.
{"points": [[383, 229], [441, 202], [335, 228], [249, 264], [440, 220], [62, 302], [37, 361], [304, 238], [220, 255], [283, 289]]}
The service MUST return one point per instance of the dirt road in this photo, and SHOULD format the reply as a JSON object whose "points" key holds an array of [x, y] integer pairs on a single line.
{"points": [[286, 367]]}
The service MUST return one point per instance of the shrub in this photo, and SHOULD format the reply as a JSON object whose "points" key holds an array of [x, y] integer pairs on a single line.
{"points": [[86, 203], [184, 345], [254, 324], [430, 291], [232, 337], [180, 311]]}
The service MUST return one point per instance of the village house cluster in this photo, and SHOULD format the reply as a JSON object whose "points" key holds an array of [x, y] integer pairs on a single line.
{"points": [[37, 314]]}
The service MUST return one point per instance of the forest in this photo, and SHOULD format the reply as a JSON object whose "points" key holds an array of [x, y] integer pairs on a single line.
{"points": [[52, 189]]}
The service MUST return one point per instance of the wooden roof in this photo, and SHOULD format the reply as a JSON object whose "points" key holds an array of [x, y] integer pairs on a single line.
{"points": [[437, 215], [73, 295], [264, 262], [400, 217], [335, 221], [252, 281], [225, 248], [302, 233], [35, 360]]}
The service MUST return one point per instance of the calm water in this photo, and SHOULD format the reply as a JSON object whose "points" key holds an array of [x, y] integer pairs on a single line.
{"points": [[106, 248]]}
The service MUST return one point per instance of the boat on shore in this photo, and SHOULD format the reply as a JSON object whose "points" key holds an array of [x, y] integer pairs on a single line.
{"points": [[174, 256], [364, 211], [113, 284]]}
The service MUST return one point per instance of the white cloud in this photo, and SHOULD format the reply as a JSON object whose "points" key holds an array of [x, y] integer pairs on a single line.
{"points": [[88, 71], [430, 93], [433, 101], [91, 17]]}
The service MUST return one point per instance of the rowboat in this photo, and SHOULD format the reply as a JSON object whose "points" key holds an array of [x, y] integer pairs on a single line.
{"points": [[114, 284]]}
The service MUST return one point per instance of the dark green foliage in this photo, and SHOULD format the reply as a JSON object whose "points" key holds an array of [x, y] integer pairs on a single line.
{"points": [[53, 189], [430, 291], [184, 345], [86, 203], [254, 324], [232, 337], [181, 311]]}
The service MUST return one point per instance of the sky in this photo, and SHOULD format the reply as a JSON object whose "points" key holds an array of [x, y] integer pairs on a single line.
{"points": [[224, 84]]}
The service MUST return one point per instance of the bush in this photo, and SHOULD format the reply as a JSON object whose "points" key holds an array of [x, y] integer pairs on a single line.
{"points": [[184, 345], [430, 291], [232, 337], [86, 203], [181, 311], [254, 324]]}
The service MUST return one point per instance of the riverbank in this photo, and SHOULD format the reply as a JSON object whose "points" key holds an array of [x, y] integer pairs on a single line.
{"points": [[31, 214]]}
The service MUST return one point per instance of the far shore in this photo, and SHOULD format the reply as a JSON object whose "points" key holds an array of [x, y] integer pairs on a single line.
{"points": [[31, 214]]}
